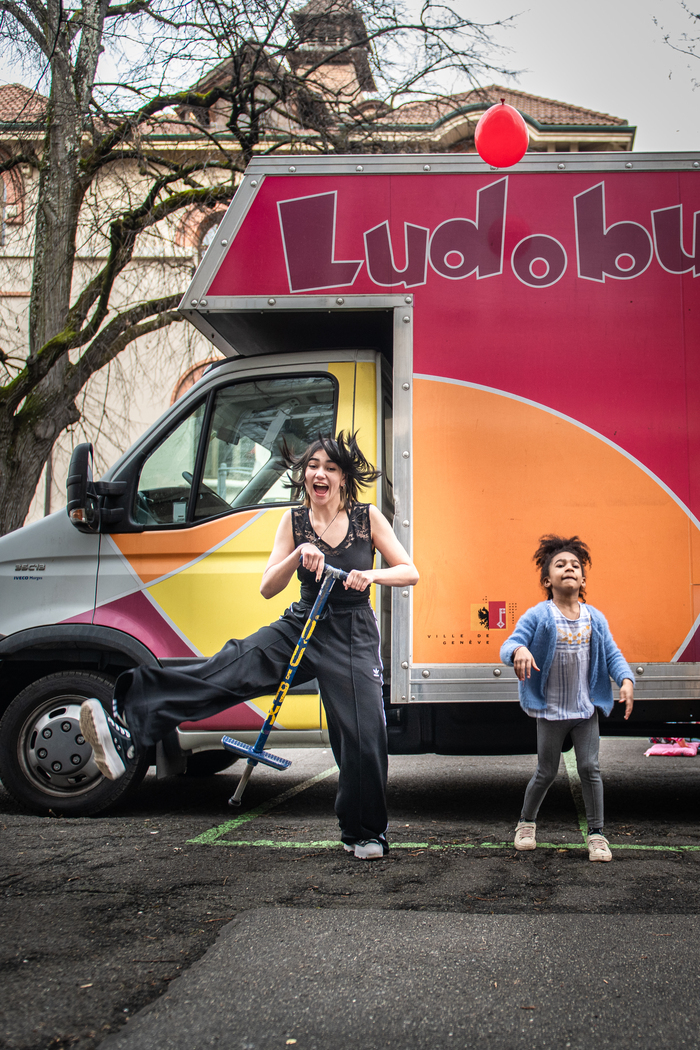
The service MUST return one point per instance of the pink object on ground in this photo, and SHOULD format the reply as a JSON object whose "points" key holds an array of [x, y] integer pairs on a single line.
{"points": [[673, 749]]}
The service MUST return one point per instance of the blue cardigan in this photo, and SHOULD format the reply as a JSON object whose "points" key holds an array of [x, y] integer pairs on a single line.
{"points": [[536, 629]]}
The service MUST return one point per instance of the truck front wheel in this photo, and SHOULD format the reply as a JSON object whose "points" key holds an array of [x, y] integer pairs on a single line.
{"points": [[45, 763]]}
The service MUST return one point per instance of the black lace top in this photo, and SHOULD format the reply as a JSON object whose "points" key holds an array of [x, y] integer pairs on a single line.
{"points": [[354, 552]]}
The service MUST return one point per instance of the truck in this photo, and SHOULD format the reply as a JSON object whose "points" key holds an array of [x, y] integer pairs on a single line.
{"points": [[518, 351]]}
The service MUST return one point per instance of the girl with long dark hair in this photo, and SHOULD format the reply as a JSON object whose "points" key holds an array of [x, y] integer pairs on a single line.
{"points": [[343, 654]]}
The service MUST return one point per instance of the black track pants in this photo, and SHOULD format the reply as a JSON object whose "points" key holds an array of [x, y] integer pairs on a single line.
{"points": [[343, 655]]}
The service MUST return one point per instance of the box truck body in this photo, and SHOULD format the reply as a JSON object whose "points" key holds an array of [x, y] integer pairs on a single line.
{"points": [[518, 351]]}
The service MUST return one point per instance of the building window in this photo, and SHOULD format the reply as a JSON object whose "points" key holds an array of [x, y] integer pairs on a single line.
{"points": [[197, 228], [11, 200], [209, 234], [191, 376]]}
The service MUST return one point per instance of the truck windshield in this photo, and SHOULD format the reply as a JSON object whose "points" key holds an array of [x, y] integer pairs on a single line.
{"points": [[242, 461]]}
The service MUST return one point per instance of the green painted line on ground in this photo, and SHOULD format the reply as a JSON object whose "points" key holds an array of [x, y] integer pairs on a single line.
{"points": [[663, 849], [271, 843], [335, 843], [215, 836], [210, 837], [576, 792], [583, 845]]}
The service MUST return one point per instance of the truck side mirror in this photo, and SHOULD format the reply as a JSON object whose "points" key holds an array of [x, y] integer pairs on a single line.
{"points": [[82, 505]]}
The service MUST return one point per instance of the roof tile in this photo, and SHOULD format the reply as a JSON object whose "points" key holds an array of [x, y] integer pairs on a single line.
{"points": [[19, 104], [545, 111]]}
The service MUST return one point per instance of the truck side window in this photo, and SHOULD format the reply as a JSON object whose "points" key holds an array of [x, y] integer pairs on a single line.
{"points": [[165, 485], [243, 463]]}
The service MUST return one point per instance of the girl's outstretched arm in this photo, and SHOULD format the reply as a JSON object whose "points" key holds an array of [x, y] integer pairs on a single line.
{"points": [[627, 696], [618, 669], [524, 662], [284, 560], [518, 644], [401, 572]]}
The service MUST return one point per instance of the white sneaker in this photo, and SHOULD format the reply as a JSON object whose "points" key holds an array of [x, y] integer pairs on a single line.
{"points": [[598, 847], [525, 835], [111, 743], [372, 849]]}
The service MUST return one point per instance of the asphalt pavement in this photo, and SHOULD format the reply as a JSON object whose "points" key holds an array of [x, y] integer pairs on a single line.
{"points": [[178, 922], [373, 979]]}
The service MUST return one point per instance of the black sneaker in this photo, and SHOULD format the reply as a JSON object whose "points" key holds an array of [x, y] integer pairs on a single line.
{"points": [[111, 744], [117, 714]]}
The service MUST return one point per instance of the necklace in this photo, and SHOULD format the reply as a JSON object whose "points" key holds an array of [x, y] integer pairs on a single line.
{"points": [[327, 526]]}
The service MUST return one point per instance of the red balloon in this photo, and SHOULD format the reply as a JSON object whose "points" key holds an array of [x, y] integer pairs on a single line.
{"points": [[501, 137]]}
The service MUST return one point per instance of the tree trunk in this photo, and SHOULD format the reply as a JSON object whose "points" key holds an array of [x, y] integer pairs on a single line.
{"points": [[26, 441], [28, 433], [60, 196]]}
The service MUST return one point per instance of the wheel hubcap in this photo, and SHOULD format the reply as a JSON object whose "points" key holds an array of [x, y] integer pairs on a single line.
{"points": [[53, 750]]}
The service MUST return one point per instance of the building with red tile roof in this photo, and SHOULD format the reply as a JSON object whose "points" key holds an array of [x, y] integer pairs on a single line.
{"points": [[20, 105], [165, 258]]}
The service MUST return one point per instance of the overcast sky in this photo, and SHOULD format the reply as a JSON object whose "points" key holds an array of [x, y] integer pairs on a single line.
{"points": [[606, 55]]}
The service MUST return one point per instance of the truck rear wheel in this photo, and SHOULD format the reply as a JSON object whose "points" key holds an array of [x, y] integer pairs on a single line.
{"points": [[45, 763]]}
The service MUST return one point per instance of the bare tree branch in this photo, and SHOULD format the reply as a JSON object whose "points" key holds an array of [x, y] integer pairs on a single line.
{"points": [[121, 331], [119, 10], [11, 8], [17, 159], [120, 161], [104, 149]]}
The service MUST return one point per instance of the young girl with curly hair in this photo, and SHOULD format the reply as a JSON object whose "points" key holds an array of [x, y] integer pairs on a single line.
{"points": [[564, 656]]}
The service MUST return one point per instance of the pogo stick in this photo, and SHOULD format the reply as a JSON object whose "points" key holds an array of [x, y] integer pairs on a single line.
{"points": [[256, 753]]}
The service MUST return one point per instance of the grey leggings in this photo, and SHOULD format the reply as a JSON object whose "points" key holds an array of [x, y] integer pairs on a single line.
{"points": [[550, 737]]}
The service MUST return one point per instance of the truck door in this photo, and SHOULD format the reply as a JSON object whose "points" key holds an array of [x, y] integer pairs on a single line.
{"points": [[210, 489]]}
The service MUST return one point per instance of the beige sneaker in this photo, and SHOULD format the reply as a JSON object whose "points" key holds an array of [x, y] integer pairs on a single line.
{"points": [[598, 847], [111, 743], [525, 835]]}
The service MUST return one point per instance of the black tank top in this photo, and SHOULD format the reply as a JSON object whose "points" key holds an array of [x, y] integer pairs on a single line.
{"points": [[354, 552]]}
